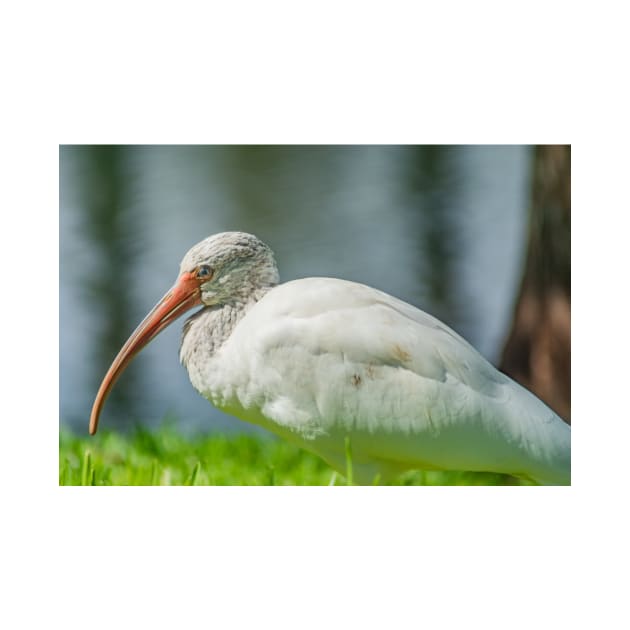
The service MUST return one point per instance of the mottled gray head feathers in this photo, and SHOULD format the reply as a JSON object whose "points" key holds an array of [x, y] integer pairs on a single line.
{"points": [[240, 265]]}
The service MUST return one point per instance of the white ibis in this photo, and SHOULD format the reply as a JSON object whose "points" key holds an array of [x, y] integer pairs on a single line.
{"points": [[320, 360]]}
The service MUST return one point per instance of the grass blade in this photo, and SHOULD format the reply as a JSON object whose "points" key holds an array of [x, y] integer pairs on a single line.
{"points": [[63, 473], [155, 474], [348, 461], [87, 470], [272, 475], [192, 480]]}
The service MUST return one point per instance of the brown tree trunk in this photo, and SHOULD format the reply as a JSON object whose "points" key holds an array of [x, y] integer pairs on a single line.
{"points": [[537, 353]]}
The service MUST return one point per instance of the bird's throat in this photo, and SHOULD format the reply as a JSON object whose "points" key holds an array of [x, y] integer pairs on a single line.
{"points": [[206, 331]]}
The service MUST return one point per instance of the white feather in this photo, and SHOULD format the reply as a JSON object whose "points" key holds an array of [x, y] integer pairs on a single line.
{"points": [[319, 359]]}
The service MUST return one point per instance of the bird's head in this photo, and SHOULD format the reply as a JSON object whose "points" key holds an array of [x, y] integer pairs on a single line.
{"points": [[223, 268], [229, 266]]}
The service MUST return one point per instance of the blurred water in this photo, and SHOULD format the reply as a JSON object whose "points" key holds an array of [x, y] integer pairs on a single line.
{"points": [[440, 227]]}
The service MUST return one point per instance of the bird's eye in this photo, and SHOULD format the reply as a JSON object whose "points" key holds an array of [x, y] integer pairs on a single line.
{"points": [[204, 272]]}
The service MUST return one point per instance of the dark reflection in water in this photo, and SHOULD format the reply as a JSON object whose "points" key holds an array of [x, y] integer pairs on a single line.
{"points": [[109, 231], [440, 227], [432, 180]]}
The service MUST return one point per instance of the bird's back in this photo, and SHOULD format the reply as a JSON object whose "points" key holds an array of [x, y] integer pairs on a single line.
{"points": [[319, 359]]}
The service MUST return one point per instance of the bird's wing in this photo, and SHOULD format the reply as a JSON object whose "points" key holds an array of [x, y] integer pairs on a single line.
{"points": [[328, 357]]}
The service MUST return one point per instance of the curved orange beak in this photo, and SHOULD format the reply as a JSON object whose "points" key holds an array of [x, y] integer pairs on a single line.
{"points": [[183, 296]]}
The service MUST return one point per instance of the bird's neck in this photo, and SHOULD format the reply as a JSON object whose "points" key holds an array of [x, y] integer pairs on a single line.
{"points": [[207, 330]]}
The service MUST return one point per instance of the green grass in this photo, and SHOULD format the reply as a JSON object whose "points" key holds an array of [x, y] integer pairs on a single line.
{"points": [[164, 457]]}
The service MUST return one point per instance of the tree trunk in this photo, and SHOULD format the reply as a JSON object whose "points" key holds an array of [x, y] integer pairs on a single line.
{"points": [[537, 353]]}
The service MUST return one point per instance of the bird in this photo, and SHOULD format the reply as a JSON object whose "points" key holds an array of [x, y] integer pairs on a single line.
{"points": [[325, 363]]}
